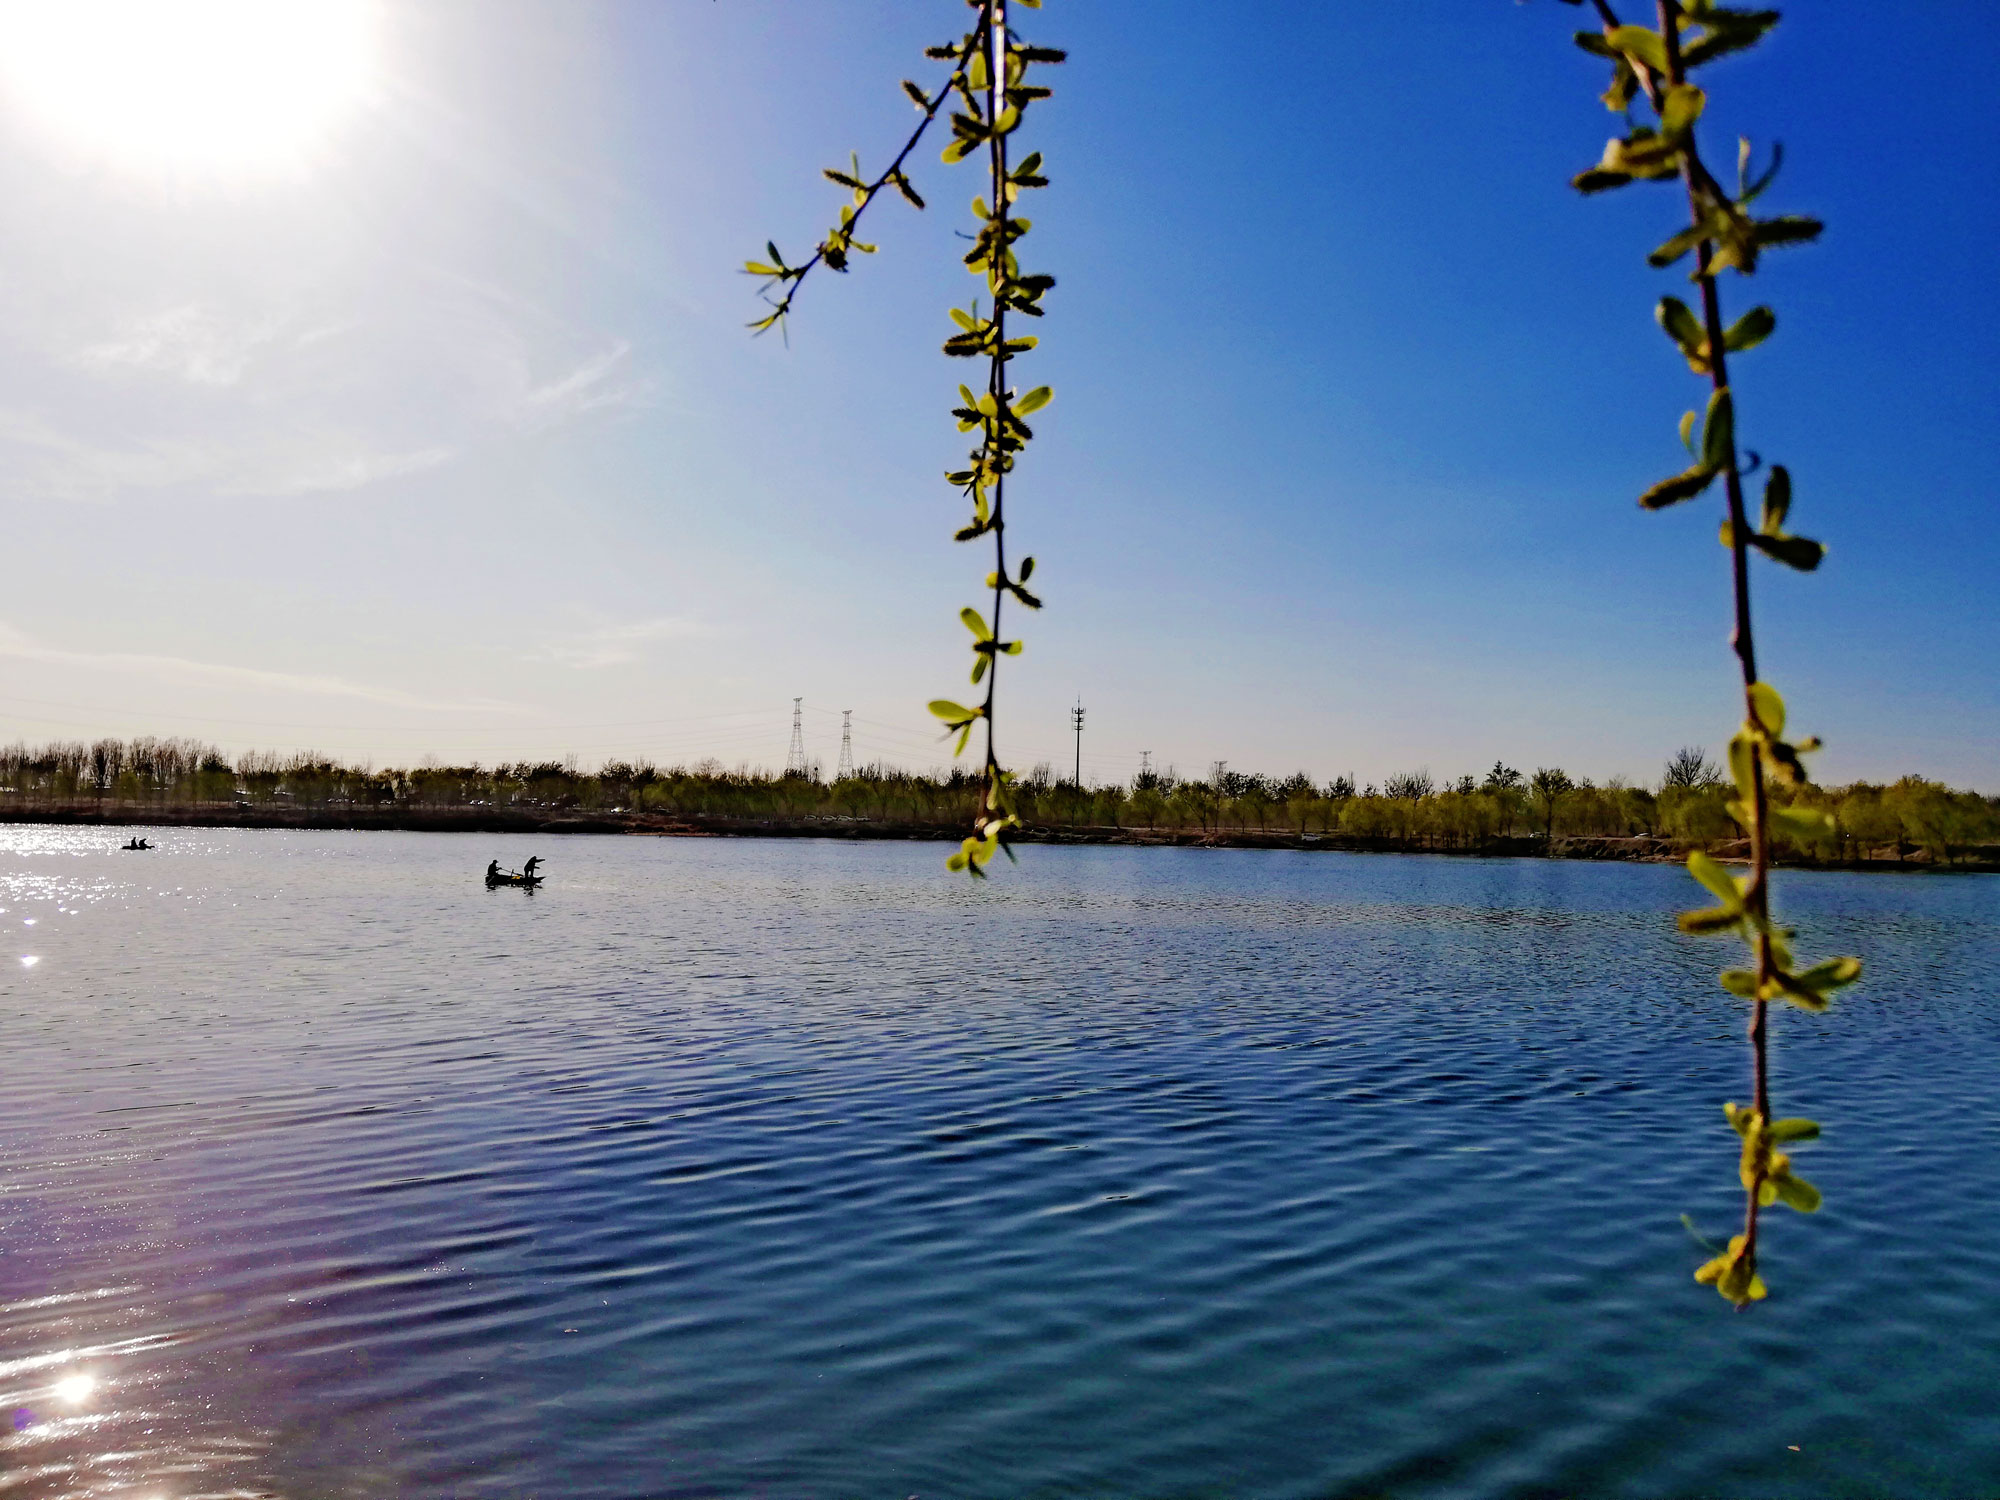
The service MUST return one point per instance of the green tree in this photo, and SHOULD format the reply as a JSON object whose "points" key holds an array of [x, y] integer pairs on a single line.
{"points": [[1546, 790]]}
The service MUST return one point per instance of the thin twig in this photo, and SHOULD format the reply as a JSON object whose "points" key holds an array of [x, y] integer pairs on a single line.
{"points": [[1649, 83], [996, 378], [1758, 897], [781, 308]]}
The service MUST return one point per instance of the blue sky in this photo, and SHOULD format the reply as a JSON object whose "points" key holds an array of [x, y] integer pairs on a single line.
{"points": [[443, 436]]}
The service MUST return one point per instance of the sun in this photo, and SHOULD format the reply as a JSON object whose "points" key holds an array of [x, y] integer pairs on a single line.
{"points": [[191, 86]]}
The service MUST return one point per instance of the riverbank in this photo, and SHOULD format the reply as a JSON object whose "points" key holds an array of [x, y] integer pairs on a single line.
{"points": [[540, 820]]}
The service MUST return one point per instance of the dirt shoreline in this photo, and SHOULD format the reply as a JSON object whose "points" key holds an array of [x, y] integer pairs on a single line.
{"points": [[517, 820]]}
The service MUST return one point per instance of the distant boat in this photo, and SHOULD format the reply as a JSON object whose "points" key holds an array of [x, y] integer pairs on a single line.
{"points": [[530, 881], [137, 844]]}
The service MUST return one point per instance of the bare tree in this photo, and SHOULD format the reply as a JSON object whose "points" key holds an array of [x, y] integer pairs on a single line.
{"points": [[1690, 768]]}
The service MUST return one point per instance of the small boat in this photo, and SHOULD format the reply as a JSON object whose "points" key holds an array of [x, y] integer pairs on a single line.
{"points": [[529, 881], [137, 844]]}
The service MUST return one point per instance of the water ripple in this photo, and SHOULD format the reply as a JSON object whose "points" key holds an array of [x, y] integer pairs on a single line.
{"points": [[717, 1168]]}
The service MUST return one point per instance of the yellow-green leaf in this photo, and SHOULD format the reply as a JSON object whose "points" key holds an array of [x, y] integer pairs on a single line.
{"points": [[1718, 432], [1742, 763], [1709, 919], [1599, 179], [1831, 974], [1677, 245], [1682, 486], [1750, 330], [1799, 993], [1641, 44], [1733, 1274], [1769, 707], [1684, 329], [1681, 107], [1798, 552], [1777, 501], [1716, 880], [1797, 1193]]}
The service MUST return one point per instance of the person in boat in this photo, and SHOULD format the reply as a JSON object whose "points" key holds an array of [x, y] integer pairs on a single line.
{"points": [[493, 870], [528, 869]]}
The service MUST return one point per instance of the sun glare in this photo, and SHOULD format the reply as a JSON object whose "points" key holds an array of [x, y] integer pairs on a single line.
{"points": [[195, 86]]}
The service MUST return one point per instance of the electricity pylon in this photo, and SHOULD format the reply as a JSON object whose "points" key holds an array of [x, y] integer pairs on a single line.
{"points": [[795, 757], [846, 767]]}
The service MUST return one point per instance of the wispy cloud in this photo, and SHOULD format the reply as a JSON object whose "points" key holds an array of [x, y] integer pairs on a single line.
{"points": [[207, 395], [616, 645], [17, 644], [39, 458], [345, 472], [593, 384], [191, 343]]}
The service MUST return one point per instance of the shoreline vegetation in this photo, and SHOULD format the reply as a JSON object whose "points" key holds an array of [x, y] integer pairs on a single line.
{"points": [[1912, 824]]}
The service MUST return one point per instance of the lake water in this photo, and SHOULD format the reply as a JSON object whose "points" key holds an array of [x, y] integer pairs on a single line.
{"points": [[799, 1169]]}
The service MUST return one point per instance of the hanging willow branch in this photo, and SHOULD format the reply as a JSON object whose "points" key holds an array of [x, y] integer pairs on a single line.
{"points": [[989, 78], [1723, 234]]}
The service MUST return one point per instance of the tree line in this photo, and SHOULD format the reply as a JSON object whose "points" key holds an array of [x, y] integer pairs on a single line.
{"points": [[1689, 804]]}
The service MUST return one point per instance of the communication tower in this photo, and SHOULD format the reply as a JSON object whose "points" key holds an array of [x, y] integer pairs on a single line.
{"points": [[846, 767], [795, 757], [1076, 722]]}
